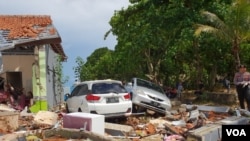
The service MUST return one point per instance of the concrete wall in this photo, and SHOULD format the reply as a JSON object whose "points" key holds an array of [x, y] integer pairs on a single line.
{"points": [[42, 80], [53, 86], [39, 76], [47, 87], [20, 63]]}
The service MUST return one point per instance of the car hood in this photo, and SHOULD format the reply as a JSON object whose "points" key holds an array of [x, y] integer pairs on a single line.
{"points": [[153, 93]]}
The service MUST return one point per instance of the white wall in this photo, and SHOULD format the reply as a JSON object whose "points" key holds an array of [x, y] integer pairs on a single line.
{"points": [[53, 91]]}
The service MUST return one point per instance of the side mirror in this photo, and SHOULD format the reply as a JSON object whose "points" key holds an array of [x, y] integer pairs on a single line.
{"points": [[66, 96]]}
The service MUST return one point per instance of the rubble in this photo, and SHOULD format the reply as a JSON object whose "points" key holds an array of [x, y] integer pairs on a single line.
{"points": [[187, 122], [8, 121], [46, 118], [4, 107]]}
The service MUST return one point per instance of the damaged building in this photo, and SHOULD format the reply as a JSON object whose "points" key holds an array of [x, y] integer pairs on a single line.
{"points": [[31, 51]]}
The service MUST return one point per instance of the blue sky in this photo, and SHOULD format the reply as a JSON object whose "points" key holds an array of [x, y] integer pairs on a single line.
{"points": [[80, 23]]}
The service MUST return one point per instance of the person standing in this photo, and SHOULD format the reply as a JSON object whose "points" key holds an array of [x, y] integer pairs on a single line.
{"points": [[242, 81], [179, 89], [226, 83]]}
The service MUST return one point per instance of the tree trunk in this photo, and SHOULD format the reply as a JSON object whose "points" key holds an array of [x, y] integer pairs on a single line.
{"points": [[236, 49], [212, 77]]}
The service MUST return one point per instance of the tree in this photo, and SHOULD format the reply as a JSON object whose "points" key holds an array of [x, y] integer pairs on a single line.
{"points": [[79, 70], [156, 41], [233, 28], [99, 65], [146, 34]]}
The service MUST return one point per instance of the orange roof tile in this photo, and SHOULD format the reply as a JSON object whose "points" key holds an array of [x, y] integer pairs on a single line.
{"points": [[27, 28], [24, 26]]}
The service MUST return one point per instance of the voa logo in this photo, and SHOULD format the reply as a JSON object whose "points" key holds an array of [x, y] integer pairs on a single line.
{"points": [[236, 132]]}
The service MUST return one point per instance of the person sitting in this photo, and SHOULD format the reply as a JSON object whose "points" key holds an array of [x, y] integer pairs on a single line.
{"points": [[29, 99]]}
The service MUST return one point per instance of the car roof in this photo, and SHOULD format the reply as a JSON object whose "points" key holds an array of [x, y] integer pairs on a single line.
{"points": [[99, 81], [142, 79]]}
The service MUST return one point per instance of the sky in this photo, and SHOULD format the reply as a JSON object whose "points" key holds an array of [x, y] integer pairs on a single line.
{"points": [[81, 24]]}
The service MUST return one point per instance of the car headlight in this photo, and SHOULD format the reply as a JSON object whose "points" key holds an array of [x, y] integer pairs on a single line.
{"points": [[141, 92]]}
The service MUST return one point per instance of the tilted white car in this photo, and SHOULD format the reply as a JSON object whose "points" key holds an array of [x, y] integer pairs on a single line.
{"points": [[148, 95], [105, 97]]}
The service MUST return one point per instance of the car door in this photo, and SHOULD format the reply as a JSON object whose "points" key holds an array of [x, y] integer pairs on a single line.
{"points": [[81, 101], [74, 100]]}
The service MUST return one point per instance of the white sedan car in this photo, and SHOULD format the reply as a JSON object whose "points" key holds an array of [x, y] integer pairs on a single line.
{"points": [[148, 95], [105, 97]]}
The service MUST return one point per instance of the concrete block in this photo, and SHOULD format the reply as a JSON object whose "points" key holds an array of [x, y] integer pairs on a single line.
{"points": [[120, 127], [9, 121], [75, 134], [4, 107], [39, 135], [175, 103], [46, 117], [234, 120], [85, 121], [182, 109], [9, 137], [219, 109], [209, 132]]}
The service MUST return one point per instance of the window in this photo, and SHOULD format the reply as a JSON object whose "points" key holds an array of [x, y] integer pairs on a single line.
{"points": [[75, 90], [80, 90], [149, 85], [101, 88], [83, 90]]}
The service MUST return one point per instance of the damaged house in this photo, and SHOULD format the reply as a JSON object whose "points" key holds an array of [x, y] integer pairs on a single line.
{"points": [[31, 51]]}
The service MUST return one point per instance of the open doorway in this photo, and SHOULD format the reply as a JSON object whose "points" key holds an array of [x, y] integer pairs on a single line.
{"points": [[15, 79]]}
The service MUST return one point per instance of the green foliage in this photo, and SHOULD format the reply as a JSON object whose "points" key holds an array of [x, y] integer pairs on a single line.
{"points": [[59, 71], [156, 41], [100, 65], [79, 69], [60, 79], [203, 98], [234, 27]]}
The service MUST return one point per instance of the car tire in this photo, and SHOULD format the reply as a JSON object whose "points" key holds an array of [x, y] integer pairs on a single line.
{"points": [[137, 109], [67, 108], [141, 109], [134, 108], [79, 110]]}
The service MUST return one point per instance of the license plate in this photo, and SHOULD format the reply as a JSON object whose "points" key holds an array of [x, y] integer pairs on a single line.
{"points": [[112, 100], [155, 104]]}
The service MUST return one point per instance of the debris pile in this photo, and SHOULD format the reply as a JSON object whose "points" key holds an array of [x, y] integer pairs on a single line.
{"points": [[177, 124]]}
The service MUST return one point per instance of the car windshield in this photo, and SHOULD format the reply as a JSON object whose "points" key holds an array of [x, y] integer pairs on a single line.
{"points": [[149, 85], [102, 88]]}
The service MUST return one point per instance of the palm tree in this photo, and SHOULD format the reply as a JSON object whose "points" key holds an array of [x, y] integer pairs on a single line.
{"points": [[234, 29]]}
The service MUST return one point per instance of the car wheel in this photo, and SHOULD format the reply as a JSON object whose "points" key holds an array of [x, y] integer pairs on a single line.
{"points": [[67, 108], [134, 108], [137, 109], [79, 110], [141, 109]]}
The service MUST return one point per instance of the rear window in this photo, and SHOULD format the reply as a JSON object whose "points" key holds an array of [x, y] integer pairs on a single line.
{"points": [[102, 88]]}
